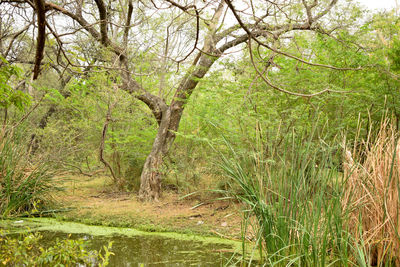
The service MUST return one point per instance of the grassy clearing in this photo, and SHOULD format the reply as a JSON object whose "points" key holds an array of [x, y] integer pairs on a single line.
{"points": [[93, 201]]}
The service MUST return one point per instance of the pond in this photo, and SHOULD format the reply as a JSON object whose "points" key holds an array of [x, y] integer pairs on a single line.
{"points": [[137, 248], [154, 250]]}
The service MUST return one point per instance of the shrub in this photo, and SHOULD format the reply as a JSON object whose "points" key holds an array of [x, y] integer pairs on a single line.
{"points": [[22, 185]]}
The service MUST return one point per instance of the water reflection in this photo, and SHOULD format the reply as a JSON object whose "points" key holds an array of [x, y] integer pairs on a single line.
{"points": [[154, 250]]}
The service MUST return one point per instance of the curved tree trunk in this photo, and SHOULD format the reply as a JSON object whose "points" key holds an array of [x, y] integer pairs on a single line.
{"points": [[150, 179]]}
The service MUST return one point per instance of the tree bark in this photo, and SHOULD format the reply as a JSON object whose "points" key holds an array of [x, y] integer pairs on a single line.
{"points": [[41, 37], [150, 179]]}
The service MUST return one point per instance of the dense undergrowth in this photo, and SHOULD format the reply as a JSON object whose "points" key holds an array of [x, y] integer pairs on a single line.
{"points": [[25, 189], [372, 195], [24, 186]]}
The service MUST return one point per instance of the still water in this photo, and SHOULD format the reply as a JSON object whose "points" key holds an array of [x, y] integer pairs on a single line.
{"points": [[153, 250], [137, 248]]}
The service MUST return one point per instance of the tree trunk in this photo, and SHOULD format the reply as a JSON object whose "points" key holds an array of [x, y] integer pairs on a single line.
{"points": [[150, 179]]}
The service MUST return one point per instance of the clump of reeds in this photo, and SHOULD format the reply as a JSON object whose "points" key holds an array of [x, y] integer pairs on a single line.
{"points": [[292, 196], [372, 193], [23, 186]]}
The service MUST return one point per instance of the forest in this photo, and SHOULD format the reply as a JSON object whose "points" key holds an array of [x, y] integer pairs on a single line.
{"points": [[271, 124]]}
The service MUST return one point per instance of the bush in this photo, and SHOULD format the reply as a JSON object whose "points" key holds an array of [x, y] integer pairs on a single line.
{"points": [[22, 185]]}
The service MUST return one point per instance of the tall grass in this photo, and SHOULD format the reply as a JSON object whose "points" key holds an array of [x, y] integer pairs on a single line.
{"points": [[304, 210], [293, 198], [373, 194], [23, 186]]}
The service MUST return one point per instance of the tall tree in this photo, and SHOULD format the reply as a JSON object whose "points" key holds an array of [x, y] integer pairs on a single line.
{"points": [[210, 29]]}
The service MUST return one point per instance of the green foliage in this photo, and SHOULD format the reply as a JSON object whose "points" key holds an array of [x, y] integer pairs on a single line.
{"points": [[394, 54], [73, 134], [28, 250], [8, 95]]}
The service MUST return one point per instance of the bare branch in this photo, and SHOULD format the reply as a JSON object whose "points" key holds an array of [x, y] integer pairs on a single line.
{"points": [[103, 21], [267, 81], [185, 8], [41, 38], [13, 38], [305, 26], [128, 23], [103, 137]]}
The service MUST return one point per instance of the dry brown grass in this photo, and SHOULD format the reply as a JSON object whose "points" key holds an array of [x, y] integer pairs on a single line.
{"points": [[95, 201], [372, 194]]}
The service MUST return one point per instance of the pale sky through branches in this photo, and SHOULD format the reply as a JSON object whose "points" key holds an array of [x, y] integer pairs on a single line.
{"points": [[379, 4]]}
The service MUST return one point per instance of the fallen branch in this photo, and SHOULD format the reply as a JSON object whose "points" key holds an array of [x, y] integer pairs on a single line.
{"points": [[84, 173]]}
